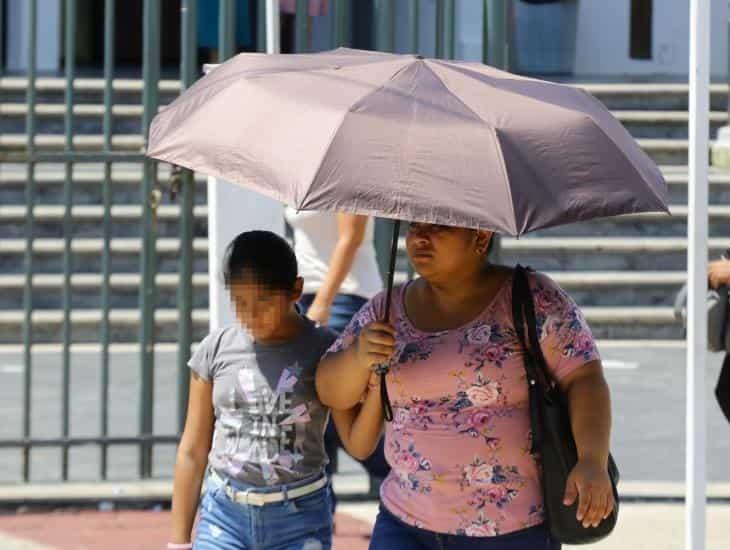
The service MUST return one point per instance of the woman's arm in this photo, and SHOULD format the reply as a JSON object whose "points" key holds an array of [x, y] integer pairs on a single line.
{"points": [[589, 402], [192, 458], [350, 236], [342, 376], [361, 426]]}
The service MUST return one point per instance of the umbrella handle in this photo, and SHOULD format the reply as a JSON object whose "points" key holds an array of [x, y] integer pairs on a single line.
{"points": [[383, 369]]}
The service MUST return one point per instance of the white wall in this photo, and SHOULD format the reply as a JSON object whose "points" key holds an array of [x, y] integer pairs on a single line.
{"points": [[602, 42], [602, 45], [48, 35]]}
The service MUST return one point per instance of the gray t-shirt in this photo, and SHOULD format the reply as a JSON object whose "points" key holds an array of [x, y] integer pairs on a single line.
{"points": [[269, 422]]}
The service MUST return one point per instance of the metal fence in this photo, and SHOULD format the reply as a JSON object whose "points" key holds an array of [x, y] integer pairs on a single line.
{"points": [[182, 183]]}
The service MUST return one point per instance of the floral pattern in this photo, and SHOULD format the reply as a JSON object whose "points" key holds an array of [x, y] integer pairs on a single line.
{"points": [[460, 439], [486, 343], [410, 467]]}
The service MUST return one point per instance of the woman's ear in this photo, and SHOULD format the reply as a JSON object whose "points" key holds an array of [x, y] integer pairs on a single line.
{"points": [[483, 240], [298, 289]]}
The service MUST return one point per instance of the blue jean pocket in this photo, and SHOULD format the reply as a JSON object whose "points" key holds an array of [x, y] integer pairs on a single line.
{"points": [[317, 501]]}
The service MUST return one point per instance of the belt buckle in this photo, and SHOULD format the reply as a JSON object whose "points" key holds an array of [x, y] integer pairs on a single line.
{"points": [[230, 492]]}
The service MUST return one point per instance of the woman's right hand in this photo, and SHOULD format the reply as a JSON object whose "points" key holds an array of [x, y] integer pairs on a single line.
{"points": [[375, 345]]}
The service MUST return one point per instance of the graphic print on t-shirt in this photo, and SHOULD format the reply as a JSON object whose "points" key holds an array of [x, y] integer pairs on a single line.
{"points": [[267, 429]]}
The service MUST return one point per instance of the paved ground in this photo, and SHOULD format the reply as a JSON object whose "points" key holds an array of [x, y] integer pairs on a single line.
{"points": [[641, 526], [125, 530]]}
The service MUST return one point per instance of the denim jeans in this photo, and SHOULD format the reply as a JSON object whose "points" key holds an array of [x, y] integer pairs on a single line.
{"points": [[303, 523], [390, 533]]}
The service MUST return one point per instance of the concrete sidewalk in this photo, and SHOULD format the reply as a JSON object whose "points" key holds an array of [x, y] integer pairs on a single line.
{"points": [[641, 526], [652, 516]]}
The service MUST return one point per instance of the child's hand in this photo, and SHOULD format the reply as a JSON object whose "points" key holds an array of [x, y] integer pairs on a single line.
{"points": [[373, 382], [375, 345]]}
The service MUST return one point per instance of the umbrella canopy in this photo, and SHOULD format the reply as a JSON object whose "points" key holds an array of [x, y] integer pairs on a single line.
{"points": [[402, 137]]}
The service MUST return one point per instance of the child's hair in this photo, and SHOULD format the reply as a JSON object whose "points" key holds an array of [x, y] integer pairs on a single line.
{"points": [[265, 256]]}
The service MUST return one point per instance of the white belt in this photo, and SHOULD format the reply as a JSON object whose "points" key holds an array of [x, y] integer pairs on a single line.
{"points": [[261, 499]]}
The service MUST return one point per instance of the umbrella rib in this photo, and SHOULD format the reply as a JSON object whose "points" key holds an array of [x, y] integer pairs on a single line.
{"points": [[339, 126], [661, 202], [238, 76], [495, 137]]}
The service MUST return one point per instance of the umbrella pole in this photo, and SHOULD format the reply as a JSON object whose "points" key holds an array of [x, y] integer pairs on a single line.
{"points": [[382, 370]]}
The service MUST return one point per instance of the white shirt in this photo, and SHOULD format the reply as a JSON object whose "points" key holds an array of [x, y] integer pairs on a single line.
{"points": [[315, 238]]}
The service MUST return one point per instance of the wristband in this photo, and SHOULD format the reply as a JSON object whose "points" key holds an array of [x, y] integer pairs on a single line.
{"points": [[179, 546]]}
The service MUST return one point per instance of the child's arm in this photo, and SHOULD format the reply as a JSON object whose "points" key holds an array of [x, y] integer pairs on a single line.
{"points": [[361, 426], [192, 458]]}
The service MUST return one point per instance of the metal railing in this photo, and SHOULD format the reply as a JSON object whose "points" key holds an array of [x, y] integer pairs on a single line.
{"points": [[182, 189]]}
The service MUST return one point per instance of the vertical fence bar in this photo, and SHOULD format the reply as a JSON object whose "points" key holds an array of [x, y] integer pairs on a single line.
{"points": [[109, 7], [69, 61], [150, 199], [261, 26], [301, 27], [498, 36], [413, 25], [30, 130], [439, 29], [485, 32], [384, 25], [496, 248], [226, 29], [340, 20], [2, 36], [448, 30], [188, 55]]}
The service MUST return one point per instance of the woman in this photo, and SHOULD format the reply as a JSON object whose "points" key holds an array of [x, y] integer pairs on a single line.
{"points": [[459, 443], [337, 260]]}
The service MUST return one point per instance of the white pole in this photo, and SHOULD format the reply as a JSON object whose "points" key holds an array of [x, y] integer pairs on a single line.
{"points": [[273, 43], [232, 210], [697, 231]]}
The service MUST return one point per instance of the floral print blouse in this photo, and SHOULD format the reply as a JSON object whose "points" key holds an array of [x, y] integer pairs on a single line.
{"points": [[459, 442]]}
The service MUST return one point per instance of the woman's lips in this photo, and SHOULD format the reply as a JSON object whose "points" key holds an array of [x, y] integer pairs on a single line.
{"points": [[421, 254]]}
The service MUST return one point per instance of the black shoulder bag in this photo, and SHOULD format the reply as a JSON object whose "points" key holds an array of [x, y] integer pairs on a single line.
{"points": [[552, 435]]}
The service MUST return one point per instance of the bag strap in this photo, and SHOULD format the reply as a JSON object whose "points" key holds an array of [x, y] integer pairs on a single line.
{"points": [[523, 310]]}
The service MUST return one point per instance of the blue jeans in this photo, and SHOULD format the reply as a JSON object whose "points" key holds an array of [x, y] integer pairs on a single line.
{"points": [[390, 533], [303, 523]]}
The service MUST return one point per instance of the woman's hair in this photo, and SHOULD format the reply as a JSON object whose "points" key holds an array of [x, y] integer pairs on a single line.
{"points": [[265, 256]]}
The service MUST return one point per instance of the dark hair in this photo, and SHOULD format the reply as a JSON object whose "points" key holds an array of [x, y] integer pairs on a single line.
{"points": [[264, 255]]}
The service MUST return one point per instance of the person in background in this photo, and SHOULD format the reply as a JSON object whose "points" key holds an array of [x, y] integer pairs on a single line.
{"points": [[337, 260], [718, 274]]}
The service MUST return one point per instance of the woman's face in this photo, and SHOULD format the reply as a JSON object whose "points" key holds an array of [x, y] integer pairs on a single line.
{"points": [[261, 308], [439, 251]]}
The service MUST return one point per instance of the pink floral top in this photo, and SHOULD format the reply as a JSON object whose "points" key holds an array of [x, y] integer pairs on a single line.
{"points": [[460, 438]]}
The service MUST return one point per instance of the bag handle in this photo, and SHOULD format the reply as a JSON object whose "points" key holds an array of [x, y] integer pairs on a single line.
{"points": [[523, 309]]}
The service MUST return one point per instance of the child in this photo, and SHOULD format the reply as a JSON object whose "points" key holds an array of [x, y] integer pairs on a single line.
{"points": [[254, 416], [361, 427]]}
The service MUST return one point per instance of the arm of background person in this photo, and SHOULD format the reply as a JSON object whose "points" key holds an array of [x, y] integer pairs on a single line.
{"points": [[192, 458], [361, 426], [350, 236], [589, 402], [719, 273]]}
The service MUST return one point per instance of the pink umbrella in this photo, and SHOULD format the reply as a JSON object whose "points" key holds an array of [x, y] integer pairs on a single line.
{"points": [[402, 137], [407, 138]]}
